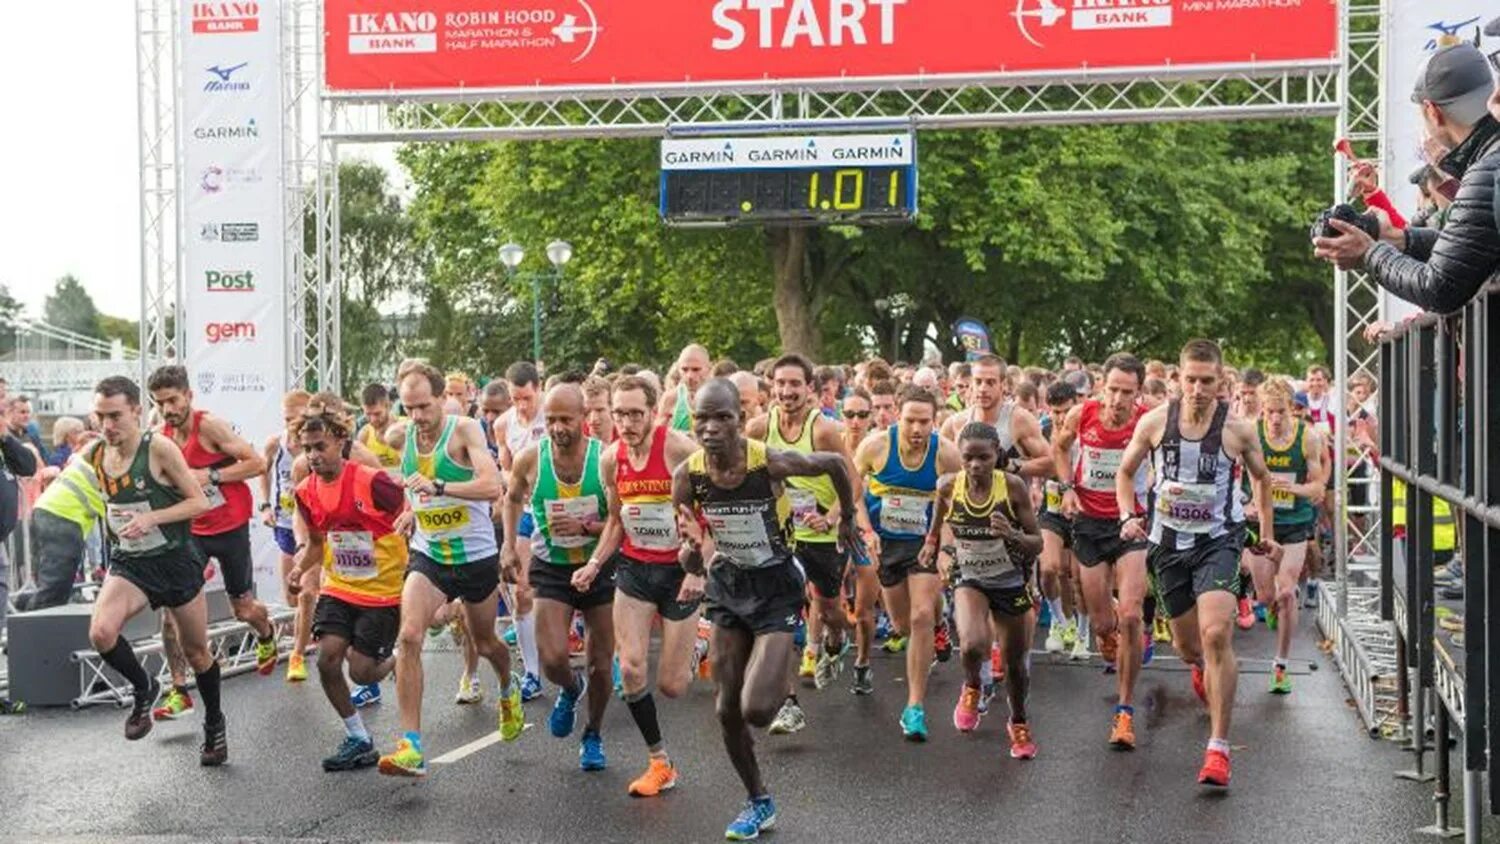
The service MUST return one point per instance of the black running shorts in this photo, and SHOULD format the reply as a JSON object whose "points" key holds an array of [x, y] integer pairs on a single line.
{"points": [[762, 600], [369, 630], [555, 583], [231, 550], [470, 582], [823, 563], [654, 583], [898, 561], [1211, 565], [1098, 541], [169, 580]]}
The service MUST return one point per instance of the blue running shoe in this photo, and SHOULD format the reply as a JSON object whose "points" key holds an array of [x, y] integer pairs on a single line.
{"points": [[352, 755], [882, 625], [509, 636], [799, 635], [914, 723], [1260, 611], [363, 696], [531, 687], [1044, 619], [759, 814], [614, 675], [565, 710], [1148, 651], [986, 694], [591, 751]]}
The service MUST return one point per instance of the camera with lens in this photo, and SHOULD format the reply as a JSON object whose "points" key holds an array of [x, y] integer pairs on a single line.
{"points": [[1367, 222]]}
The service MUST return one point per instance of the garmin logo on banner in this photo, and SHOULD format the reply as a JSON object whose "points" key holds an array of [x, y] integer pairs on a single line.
{"points": [[234, 282], [221, 79], [227, 131], [226, 18], [393, 32], [229, 332]]}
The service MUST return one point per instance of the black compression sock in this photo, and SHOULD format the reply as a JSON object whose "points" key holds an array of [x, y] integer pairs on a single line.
{"points": [[121, 658], [208, 686], [643, 710]]}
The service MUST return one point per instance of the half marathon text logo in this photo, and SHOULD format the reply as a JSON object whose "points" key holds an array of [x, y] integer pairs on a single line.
{"points": [[230, 232], [227, 131]]}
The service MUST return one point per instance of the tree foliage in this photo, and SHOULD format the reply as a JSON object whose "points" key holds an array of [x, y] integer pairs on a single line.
{"points": [[72, 308]]}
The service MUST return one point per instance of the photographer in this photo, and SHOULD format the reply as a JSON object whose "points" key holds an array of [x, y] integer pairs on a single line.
{"points": [[1440, 271]]}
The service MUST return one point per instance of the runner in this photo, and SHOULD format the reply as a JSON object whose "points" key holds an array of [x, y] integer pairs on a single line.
{"points": [[278, 506], [150, 497], [749, 387], [1297, 458], [1103, 428], [996, 540], [597, 421], [1059, 566], [450, 480], [515, 430], [346, 513], [689, 373], [1198, 529], [797, 422], [641, 541], [859, 418], [222, 461], [1023, 451], [901, 469], [732, 486], [883, 404], [375, 400], [559, 475]]}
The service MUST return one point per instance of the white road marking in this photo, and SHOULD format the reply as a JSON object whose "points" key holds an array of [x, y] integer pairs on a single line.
{"points": [[471, 748]]}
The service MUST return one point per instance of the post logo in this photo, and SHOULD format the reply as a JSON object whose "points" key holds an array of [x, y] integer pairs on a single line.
{"points": [[226, 18], [231, 282], [229, 332]]}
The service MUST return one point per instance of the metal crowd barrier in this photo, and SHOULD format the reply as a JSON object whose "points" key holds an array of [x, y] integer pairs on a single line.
{"points": [[1440, 398]]}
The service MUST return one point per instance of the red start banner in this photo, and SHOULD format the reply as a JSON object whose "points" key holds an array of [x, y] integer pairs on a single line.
{"points": [[378, 45]]}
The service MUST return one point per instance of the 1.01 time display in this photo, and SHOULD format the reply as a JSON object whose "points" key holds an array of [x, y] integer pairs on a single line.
{"points": [[822, 195]]}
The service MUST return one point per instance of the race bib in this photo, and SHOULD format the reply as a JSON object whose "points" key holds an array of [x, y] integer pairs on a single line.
{"points": [[651, 526], [1187, 508], [584, 508], [804, 504], [1100, 465], [741, 537], [441, 517], [1282, 499], [215, 496], [353, 554], [904, 513], [1054, 496], [981, 559], [119, 515]]}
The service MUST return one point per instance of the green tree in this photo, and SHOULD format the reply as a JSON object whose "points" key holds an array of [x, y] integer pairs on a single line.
{"points": [[127, 331], [71, 307], [10, 309]]}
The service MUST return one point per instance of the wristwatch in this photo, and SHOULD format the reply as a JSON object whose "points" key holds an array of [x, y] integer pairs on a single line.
{"points": [[264, 506], [1127, 519], [213, 476], [440, 486]]}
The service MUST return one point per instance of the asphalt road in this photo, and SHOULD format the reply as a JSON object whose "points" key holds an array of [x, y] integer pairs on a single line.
{"points": [[1304, 770]]}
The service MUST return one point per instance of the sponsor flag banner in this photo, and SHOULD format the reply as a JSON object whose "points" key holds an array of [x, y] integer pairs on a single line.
{"points": [[230, 197], [1417, 28], [532, 45], [973, 337]]}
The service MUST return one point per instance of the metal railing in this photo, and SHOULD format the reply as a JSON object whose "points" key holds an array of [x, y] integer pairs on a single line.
{"points": [[1440, 398]]}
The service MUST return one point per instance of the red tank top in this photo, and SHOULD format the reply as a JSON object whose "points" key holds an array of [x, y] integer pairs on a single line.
{"points": [[1100, 452], [646, 503], [232, 499], [364, 558]]}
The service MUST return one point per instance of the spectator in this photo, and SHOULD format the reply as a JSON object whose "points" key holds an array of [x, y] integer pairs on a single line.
{"points": [[1441, 270], [16, 460], [61, 520], [23, 427], [67, 436]]}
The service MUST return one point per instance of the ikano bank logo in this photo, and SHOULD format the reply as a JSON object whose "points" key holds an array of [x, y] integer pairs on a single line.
{"points": [[393, 32], [229, 332], [226, 18], [1035, 17]]}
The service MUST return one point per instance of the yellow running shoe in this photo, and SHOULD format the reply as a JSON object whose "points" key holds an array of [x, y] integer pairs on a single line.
{"points": [[1161, 631], [296, 668], [660, 776], [512, 719], [809, 667], [407, 761]]}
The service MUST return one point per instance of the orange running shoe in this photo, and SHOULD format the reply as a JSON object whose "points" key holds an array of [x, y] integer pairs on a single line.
{"points": [[1199, 688], [1215, 770], [659, 776], [1122, 736], [1109, 645]]}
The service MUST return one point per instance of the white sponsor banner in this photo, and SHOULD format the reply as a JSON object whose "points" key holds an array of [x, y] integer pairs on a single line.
{"points": [[1417, 29], [229, 119], [786, 152]]}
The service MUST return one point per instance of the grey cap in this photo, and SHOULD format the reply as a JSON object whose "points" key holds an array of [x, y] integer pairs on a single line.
{"points": [[1453, 73]]}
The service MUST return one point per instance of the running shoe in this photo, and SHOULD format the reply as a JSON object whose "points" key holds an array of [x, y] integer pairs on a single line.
{"points": [[882, 625], [575, 643], [351, 755], [1122, 734], [864, 681], [1280, 683], [140, 721], [830, 664], [1054, 643], [790, 719], [986, 696], [470, 690], [1080, 648], [591, 751], [799, 633], [1260, 610], [406, 761], [1271, 619], [1022, 745], [1215, 770], [966, 713], [176, 704], [1070, 634], [1161, 629], [12, 707], [265, 656], [1109, 645], [702, 666], [565, 709], [509, 636], [296, 668], [1200, 688], [1245, 619], [512, 719], [894, 643], [531, 687], [942, 645], [914, 722], [1044, 617], [808, 669], [758, 815], [215, 749], [1148, 649], [616, 683], [997, 664], [659, 776], [365, 695]]}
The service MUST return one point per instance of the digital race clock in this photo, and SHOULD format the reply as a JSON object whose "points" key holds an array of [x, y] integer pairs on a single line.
{"points": [[824, 179]]}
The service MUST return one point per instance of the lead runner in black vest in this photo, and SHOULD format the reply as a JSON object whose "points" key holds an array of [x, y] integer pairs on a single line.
{"points": [[1197, 529]]}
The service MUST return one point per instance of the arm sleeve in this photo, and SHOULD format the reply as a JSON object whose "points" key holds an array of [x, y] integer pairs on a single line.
{"points": [[388, 496], [18, 457]]}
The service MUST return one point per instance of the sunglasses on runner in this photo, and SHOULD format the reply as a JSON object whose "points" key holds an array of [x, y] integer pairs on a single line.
{"points": [[857, 414]]}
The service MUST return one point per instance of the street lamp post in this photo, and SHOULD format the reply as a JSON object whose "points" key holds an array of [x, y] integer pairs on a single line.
{"points": [[559, 253]]}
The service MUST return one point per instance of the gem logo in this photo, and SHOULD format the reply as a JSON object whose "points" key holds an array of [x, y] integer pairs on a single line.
{"points": [[233, 282], [230, 232], [226, 18], [222, 79], [228, 131], [229, 332], [393, 32], [1033, 16]]}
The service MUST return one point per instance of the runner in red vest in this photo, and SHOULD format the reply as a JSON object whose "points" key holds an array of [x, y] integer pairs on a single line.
{"points": [[1102, 428], [222, 461]]}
